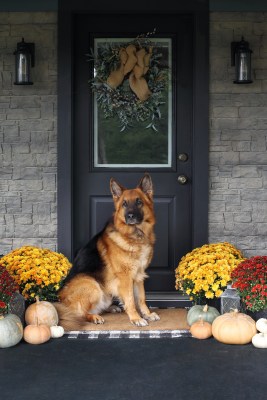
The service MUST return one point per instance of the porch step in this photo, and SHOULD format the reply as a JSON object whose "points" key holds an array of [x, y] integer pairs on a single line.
{"points": [[167, 299]]}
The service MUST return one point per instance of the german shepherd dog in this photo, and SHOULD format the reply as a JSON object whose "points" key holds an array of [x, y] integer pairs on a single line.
{"points": [[112, 265]]}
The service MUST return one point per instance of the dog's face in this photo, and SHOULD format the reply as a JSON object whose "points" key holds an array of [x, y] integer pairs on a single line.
{"points": [[133, 206]]}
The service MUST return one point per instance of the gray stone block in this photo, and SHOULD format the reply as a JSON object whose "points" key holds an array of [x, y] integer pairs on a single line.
{"points": [[253, 158], [245, 183], [48, 230], [38, 197], [23, 114], [262, 229], [25, 102], [26, 231], [26, 185], [34, 173], [253, 112], [245, 171], [42, 213], [254, 195], [242, 217], [23, 219]]}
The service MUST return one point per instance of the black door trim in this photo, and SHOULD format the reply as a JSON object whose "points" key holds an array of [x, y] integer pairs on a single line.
{"points": [[66, 14]]}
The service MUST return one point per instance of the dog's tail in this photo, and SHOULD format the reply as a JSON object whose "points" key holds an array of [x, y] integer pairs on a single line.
{"points": [[69, 320]]}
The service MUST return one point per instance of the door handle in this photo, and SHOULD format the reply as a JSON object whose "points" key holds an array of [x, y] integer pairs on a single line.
{"points": [[182, 179]]}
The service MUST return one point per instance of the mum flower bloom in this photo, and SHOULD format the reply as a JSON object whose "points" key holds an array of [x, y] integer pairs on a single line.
{"points": [[205, 272], [37, 271], [250, 280], [8, 287]]}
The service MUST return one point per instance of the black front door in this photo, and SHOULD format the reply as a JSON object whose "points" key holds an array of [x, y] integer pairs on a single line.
{"points": [[173, 178]]}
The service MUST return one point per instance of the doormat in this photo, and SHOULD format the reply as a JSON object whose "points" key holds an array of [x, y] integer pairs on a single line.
{"points": [[172, 324]]}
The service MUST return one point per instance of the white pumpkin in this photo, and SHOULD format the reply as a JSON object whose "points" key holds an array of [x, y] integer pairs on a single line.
{"points": [[260, 340], [56, 331], [261, 325]]}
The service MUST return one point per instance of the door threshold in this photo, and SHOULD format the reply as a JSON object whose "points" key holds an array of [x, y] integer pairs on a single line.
{"points": [[167, 300]]}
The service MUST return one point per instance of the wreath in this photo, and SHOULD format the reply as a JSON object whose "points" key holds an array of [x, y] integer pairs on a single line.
{"points": [[129, 81]]}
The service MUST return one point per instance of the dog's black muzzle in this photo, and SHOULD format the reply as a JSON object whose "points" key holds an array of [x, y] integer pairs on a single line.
{"points": [[133, 217]]}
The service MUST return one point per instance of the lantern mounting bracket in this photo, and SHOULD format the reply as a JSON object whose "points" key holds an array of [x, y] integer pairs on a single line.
{"points": [[233, 50], [234, 46]]}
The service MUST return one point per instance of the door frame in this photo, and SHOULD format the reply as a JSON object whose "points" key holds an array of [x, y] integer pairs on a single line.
{"points": [[67, 9]]}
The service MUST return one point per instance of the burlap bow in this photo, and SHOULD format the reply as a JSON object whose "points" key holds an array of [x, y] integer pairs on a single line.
{"points": [[136, 63]]}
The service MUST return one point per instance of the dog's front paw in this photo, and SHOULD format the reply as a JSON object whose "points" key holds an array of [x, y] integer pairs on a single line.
{"points": [[98, 319], [152, 317], [139, 322], [95, 318]]}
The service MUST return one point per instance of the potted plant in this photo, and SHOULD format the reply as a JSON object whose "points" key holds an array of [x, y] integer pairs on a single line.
{"points": [[250, 280], [38, 272], [8, 288], [204, 273]]}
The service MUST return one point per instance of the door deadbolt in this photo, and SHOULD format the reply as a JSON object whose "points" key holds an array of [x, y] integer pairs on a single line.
{"points": [[183, 157], [182, 179]]}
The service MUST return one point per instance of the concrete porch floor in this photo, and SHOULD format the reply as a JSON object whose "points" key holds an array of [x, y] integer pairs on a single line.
{"points": [[133, 369]]}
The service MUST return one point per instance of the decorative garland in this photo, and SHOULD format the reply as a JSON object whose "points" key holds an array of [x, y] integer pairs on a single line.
{"points": [[129, 81]]}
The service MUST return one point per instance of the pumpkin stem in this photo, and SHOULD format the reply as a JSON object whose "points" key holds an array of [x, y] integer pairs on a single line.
{"points": [[37, 299], [234, 310], [205, 308]]}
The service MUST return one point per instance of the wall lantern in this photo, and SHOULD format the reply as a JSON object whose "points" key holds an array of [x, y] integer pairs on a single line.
{"points": [[24, 60], [241, 59]]}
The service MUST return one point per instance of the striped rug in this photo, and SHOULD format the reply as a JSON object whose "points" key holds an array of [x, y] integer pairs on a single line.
{"points": [[172, 324]]}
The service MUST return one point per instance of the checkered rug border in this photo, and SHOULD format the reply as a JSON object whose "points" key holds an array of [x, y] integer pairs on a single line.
{"points": [[128, 334]]}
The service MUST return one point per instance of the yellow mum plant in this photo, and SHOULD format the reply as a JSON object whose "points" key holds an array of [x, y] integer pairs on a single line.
{"points": [[205, 272], [38, 272]]}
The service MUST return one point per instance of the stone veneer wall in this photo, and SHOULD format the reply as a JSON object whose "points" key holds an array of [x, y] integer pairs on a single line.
{"points": [[28, 127], [238, 131], [238, 135]]}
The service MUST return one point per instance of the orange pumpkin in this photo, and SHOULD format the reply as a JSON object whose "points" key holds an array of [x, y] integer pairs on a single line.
{"points": [[234, 328], [36, 334], [201, 329]]}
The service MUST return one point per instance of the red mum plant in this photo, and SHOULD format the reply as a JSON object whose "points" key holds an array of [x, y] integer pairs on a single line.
{"points": [[7, 289], [250, 280]]}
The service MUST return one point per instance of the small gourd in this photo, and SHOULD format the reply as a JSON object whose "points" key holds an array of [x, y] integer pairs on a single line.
{"points": [[11, 330], [207, 313], [201, 329], [261, 325], [44, 311], [260, 340], [234, 328], [57, 331], [37, 334]]}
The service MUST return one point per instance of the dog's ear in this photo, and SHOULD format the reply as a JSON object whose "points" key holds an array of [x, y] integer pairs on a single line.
{"points": [[116, 189], [146, 185]]}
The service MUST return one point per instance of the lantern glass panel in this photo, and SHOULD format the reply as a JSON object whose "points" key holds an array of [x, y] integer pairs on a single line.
{"points": [[243, 66], [23, 63], [230, 300]]}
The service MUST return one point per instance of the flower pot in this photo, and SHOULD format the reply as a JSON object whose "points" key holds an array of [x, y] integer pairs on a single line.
{"points": [[216, 302], [257, 314], [17, 306]]}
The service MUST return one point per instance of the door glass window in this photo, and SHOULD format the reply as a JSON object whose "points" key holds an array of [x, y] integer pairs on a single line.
{"points": [[132, 102]]}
